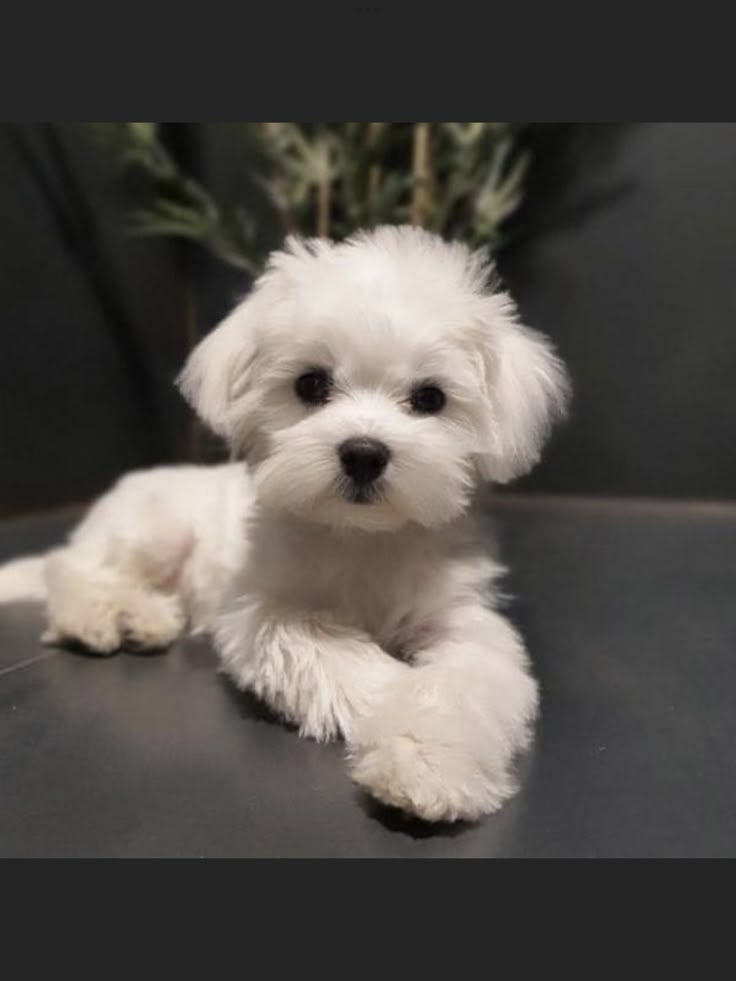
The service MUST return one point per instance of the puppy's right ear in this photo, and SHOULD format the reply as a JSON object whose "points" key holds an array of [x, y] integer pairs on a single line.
{"points": [[217, 377]]}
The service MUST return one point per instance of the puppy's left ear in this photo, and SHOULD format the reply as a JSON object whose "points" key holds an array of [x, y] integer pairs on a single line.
{"points": [[218, 376], [527, 390]]}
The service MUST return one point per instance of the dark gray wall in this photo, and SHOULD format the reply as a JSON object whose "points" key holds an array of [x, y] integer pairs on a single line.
{"points": [[93, 326], [641, 297], [634, 283]]}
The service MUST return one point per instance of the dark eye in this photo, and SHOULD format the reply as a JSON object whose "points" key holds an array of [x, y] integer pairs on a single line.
{"points": [[428, 400], [313, 387]]}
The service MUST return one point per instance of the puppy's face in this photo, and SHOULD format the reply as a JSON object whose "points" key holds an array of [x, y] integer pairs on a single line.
{"points": [[372, 383], [365, 420]]}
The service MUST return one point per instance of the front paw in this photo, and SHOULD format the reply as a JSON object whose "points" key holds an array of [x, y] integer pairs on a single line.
{"points": [[430, 779], [438, 763], [442, 745]]}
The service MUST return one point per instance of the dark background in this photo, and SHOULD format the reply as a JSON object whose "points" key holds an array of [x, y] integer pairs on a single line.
{"points": [[622, 252], [626, 262]]}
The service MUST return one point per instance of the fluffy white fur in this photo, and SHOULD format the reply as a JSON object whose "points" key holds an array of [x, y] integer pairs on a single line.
{"points": [[375, 620]]}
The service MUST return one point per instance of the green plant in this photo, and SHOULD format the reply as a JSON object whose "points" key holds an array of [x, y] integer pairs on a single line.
{"points": [[328, 179]]}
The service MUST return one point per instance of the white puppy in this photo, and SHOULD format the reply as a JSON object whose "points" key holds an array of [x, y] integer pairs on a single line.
{"points": [[371, 385]]}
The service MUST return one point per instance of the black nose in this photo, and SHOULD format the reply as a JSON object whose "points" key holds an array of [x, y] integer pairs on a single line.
{"points": [[363, 459]]}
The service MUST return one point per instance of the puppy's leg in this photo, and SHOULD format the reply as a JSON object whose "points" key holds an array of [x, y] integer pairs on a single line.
{"points": [[115, 584], [441, 744], [313, 672], [105, 607]]}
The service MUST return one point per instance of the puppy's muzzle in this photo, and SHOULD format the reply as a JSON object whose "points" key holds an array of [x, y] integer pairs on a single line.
{"points": [[363, 459]]}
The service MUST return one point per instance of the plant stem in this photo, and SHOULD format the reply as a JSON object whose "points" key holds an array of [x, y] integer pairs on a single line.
{"points": [[374, 171], [420, 173], [323, 207]]}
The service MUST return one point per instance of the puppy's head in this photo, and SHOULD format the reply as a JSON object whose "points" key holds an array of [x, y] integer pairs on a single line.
{"points": [[372, 383]]}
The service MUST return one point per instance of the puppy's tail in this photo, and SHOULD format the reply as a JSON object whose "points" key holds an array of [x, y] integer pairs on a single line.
{"points": [[23, 580]]}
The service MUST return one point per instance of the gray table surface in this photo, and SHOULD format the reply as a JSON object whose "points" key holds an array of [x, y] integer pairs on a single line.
{"points": [[628, 609]]}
